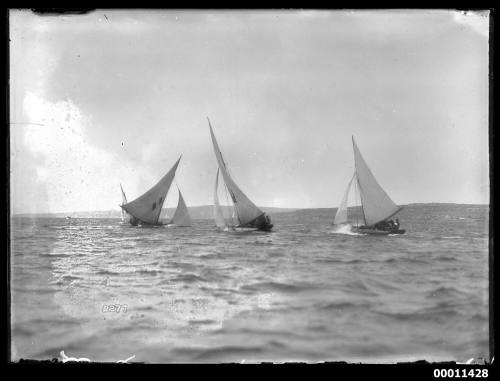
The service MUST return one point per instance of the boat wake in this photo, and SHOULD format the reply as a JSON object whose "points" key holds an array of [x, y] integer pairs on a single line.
{"points": [[235, 230], [344, 229]]}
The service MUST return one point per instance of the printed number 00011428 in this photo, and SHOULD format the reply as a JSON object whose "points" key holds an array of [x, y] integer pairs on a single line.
{"points": [[460, 373]]}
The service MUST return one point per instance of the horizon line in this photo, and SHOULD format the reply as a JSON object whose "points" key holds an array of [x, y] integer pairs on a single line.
{"points": [[271, 207]]}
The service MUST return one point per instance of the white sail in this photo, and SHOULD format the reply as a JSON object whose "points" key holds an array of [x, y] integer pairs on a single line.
{"points": [[147, 208], [377, 205], [124, 201], [218, 215], [181, 215], [246, 210], [341, 215]]}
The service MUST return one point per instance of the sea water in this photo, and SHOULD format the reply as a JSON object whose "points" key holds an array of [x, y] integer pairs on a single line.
{"points": [[104, 290]]}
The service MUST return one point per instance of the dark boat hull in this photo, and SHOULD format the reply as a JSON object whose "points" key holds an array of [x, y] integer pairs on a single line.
{"points": [[369, 230], [262, 223], [263, 228], [266, 228]]}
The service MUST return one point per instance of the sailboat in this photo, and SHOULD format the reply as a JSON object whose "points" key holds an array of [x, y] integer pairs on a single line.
{"points": [[376, 206], [124, 201], [181, 216], [245, 214], [146, 209]]}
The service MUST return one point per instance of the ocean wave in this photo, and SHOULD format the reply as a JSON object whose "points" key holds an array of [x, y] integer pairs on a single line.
{"points": [[71, 277], [260, 332], [55, 255], [23, 330], [203, 322], [341, 305], [358, 287], [54, 322], [446, 259], [474, 318], [409, 316], [220, 352], [329, 294], [148, 272], [107, 272], [418, 260], [442, 313], [278, 286], [334, 260], [445, 292], [390, 260], [346, 230], [385, 285], [35, 290], [188, 278]]}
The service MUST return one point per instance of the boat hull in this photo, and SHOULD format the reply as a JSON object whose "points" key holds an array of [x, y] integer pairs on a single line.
{"points": [[368, 230], [262, 228]]}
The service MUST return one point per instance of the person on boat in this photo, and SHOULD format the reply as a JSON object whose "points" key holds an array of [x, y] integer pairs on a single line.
{"points": [[397, 223], [387, 225], [133, 221], [263, 222]]}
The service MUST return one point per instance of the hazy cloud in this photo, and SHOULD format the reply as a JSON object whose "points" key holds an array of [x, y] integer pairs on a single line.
{"points": [[124, 95]]}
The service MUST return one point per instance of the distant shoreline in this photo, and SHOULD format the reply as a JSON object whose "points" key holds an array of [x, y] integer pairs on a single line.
{"points": [[206, 211]]}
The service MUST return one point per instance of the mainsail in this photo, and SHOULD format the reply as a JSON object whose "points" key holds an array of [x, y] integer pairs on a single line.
{"points": [[377, 205], [147, 208], [341, 216], [124, 201], [181, 215], [246, 210]]}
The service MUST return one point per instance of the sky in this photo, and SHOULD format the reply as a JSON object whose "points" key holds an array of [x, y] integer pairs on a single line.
{"points": [[116, 96]]}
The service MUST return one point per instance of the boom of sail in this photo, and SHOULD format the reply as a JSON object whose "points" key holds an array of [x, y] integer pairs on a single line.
{"points": [[246, 210], [147, 208]]}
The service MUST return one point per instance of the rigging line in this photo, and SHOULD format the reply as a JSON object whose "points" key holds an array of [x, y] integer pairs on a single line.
{"points": [[361, 202], [347, 202], [221, 209], [161, 206], [235, 209], [356, 201], [231, 210], [348, 192], [178, 193], [234, 203], [227, 200]]}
